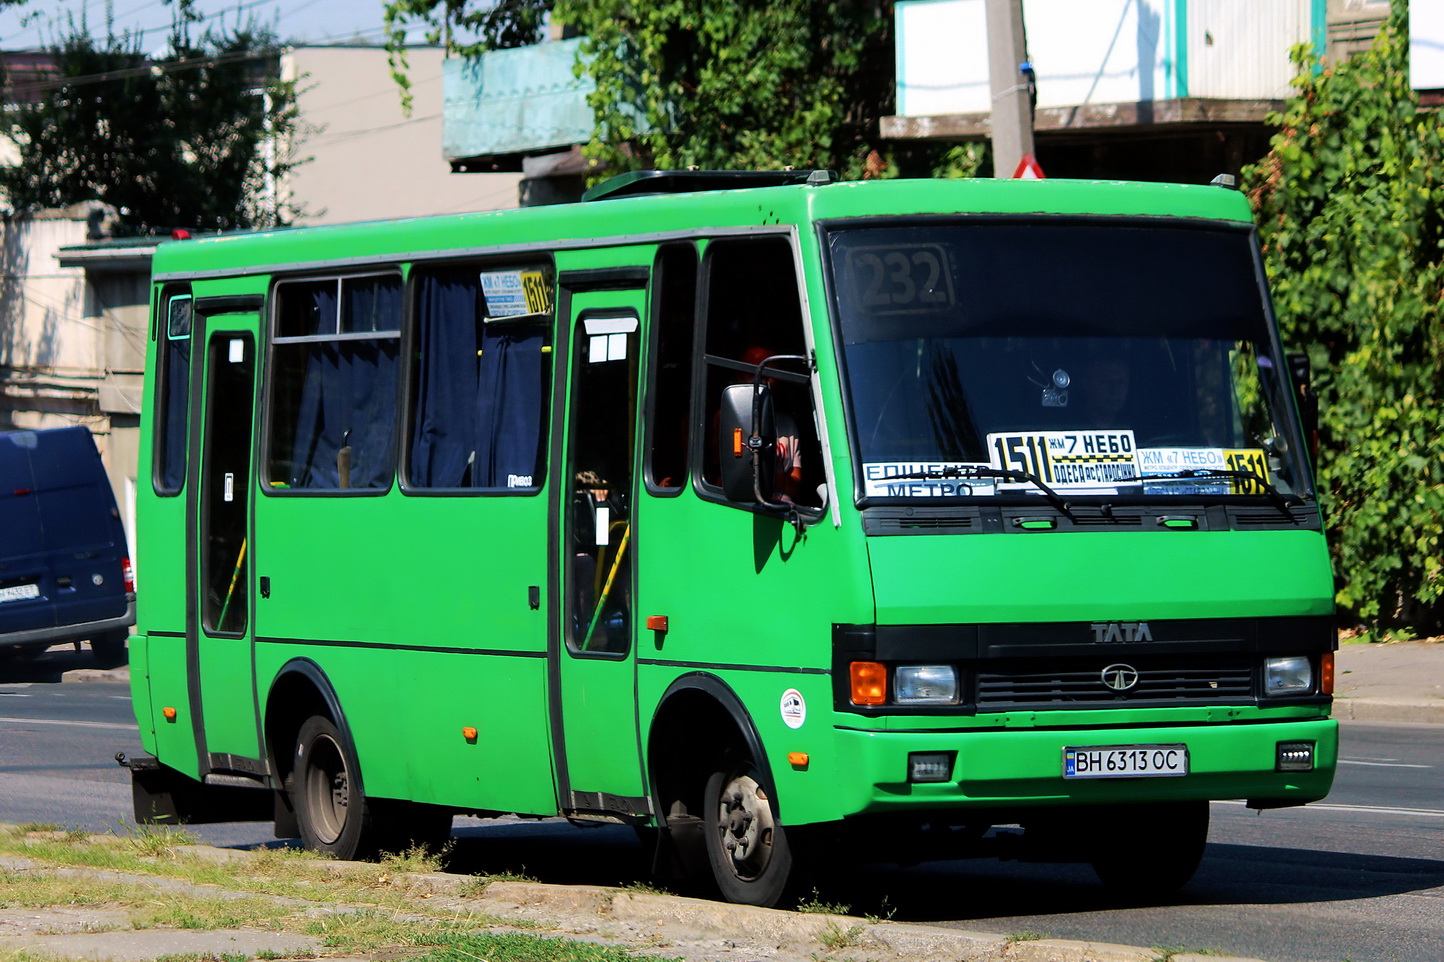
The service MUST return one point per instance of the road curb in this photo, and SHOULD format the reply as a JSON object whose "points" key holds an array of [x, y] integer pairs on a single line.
{"points": [[807, 933], [1387, 710], [631, 919], [121, 674]]}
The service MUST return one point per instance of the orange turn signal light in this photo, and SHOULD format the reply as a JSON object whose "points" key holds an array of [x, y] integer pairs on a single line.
{"points": [[797, 759], [1326, 673], [869, 683], [656, 622], [469, 733], [737, 442], [169, 713]]}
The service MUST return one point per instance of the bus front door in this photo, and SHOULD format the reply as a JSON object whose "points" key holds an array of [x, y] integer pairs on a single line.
{"points": [[219, 548], [594, 686]]}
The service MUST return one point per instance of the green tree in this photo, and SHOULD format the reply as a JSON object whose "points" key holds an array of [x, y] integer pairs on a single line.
{"points": [[723, 84], [1349, 204], [197, 138], [730, 84]]}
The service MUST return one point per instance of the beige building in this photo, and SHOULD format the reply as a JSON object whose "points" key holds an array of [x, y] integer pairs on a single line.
{"points": [[368, 159]]}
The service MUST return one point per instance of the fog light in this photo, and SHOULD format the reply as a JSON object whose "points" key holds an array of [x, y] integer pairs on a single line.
{"points": [[930, 766], [1293, 675], [925, 685], [1295, 757]]}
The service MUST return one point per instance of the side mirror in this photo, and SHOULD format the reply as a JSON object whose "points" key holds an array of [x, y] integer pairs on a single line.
{"points": [[1307, 400], [747, 439]]}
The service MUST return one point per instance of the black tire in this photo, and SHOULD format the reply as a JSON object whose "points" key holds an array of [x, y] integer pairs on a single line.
{"points": [[109, 648], [1147, 852], [331, 809], [747, 848]]}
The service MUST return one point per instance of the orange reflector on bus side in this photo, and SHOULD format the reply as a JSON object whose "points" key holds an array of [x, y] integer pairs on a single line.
{"points": [[869, 683], [169, 713], [469, 733], [656, 622], [1326, 673], [797, 759]]}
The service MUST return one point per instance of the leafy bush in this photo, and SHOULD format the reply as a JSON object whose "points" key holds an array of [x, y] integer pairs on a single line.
{"points": [[1349, 207]]}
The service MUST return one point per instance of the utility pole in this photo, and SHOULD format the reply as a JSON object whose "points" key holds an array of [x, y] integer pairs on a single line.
{"points": [[1012, 117]]}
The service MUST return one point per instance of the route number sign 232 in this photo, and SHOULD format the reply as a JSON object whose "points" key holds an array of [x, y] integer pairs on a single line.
{"points": [[902, 277]]}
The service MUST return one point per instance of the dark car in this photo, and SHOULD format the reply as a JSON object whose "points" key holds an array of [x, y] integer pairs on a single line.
{"points": [[65, 570]]}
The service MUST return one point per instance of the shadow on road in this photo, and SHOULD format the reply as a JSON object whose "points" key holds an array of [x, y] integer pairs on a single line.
{"points": [[960, 890], [47, 667]]}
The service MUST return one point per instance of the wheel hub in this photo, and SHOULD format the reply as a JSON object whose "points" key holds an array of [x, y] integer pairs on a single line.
{"points": [[746, 826]]}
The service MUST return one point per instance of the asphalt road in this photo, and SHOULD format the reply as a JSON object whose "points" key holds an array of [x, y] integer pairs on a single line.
{"points": [[1357, 877]]}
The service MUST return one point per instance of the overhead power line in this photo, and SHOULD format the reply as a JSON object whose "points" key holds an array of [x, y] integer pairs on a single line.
{"points": [[150, 67]]}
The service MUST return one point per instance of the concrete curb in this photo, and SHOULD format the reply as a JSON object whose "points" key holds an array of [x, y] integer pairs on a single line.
{"points": [[805, 934], [643, 922], [1387, 710]]}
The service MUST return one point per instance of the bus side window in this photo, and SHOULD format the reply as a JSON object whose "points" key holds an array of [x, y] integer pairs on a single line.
{"points": [[480, 384], [333, 383], [172, 394], [670, 398], [753, 310]]}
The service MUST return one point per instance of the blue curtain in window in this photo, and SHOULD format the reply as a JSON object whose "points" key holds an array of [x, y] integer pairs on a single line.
{"points": [[442, 441], [509, 408], [348, 399], [313, 457], [479, 400]]}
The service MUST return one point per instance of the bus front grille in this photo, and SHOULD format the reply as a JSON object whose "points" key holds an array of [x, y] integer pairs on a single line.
{"points": [[1097, 684]]}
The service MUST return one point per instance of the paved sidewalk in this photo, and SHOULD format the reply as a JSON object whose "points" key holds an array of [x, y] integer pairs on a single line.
{"points": [[1399, 681]]}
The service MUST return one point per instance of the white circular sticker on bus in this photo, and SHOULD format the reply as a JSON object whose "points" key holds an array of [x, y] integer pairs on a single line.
{"points": [[794, 709]]}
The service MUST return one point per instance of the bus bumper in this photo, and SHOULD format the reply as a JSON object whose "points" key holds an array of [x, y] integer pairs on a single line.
{"points": [[1024, 768]]}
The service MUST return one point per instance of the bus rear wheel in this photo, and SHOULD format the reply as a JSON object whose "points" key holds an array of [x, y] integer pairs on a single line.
{"points": [[747, 847], [331, 810]]}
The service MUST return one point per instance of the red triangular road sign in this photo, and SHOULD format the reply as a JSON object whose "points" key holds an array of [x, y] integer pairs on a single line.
{"points": [[1028, 169]]}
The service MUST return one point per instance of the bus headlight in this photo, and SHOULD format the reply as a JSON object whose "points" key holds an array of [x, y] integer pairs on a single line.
{"points": [[925, 685], [1293, 675]]}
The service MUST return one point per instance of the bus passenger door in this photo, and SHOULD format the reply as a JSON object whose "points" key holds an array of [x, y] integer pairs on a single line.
{"points": [[594, 689], [219, 549]]}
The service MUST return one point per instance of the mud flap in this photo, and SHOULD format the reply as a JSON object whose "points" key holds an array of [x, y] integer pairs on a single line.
{"points": [[163, 796]]}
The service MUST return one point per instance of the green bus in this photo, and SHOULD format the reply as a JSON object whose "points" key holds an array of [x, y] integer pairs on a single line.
{"points": [[751, 509]]}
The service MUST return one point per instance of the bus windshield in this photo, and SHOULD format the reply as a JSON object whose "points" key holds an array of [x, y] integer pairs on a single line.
{"points": [[1123, 359]]}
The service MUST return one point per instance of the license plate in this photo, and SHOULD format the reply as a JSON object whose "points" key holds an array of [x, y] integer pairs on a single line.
{"points": [[1124, 761], [19, 593]]}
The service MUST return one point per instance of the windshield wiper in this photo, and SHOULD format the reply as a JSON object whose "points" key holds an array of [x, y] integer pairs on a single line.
{"points": [[977, 472], [1272, 493]]}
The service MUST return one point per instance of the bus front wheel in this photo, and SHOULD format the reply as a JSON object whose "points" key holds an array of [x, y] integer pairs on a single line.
{"points": [[747, 848], [330, 808], [1149, 851]]}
